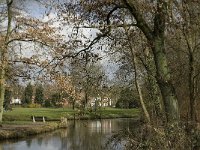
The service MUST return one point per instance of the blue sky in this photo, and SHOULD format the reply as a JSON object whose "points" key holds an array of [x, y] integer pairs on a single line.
{"points": [[34, 8]]}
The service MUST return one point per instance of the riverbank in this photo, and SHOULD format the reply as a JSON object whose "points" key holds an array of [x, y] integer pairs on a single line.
{"points": [[18, 130], [18, 123]]}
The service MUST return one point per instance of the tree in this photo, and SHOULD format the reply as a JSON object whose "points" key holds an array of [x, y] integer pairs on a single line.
{"points": [[8, 98], [47, 103], [156, 40], [182, 49], [4, 56], [127, 99], [129, 51], [190, 32], [87, 76], [20, 29], [153, 26], [56, 98], [39, 96], [28, 94], [65, 90]]}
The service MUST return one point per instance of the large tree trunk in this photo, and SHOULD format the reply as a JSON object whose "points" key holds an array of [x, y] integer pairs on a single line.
{"points": [[3, 54], [162, 68], [157, 107], [163, 78], [156, 40]]}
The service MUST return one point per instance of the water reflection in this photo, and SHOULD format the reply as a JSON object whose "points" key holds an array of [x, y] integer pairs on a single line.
{"points": [[80, 135]]}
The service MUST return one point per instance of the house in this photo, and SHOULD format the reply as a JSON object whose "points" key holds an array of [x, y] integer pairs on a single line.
{"points": [[16, 101], [95, 101], [105, 102]]}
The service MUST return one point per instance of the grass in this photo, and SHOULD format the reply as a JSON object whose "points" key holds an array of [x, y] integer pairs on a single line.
{"points": [[24, 114], [54, 114], [114, 112]]}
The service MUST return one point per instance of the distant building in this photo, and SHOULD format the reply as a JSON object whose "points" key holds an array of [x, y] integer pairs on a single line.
{"points": [[95, 101], [16, 101], [105, 102]]}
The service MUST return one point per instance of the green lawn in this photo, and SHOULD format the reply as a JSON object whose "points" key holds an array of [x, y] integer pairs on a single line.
{"points": [[118, 113], [24, 114]]}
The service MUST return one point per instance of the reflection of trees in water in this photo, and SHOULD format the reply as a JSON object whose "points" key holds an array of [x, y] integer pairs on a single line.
{"points": [[6, 147], [101, 126], [80, 135], [86, 135], [28, 143], [39, 140], [45, 139], [120, 139]]}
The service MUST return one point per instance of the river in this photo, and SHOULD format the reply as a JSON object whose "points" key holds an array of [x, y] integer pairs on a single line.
{"points": [[80, 135]]}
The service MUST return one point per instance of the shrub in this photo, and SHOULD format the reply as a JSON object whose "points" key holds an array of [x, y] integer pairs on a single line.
{"points": [[34, 105]]}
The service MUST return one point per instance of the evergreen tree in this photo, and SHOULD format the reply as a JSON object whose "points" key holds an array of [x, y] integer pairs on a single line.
{"points": [[56, 98], [7, 97], [28, 93], [39, 96], [127, 99]]}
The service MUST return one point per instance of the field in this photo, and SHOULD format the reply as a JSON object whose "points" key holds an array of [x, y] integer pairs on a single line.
{"points": [[54, 114]]}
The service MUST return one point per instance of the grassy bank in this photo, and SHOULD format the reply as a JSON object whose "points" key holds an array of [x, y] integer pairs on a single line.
{"points": [[11, 131], [54, 114]]}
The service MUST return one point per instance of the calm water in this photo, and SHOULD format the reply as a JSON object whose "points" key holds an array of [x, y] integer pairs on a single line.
{"points": [[81, 135]]}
